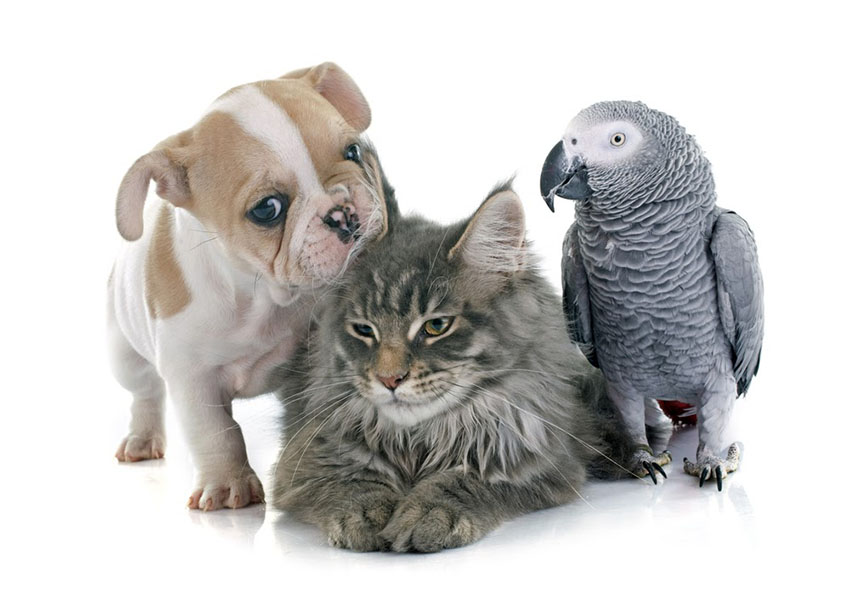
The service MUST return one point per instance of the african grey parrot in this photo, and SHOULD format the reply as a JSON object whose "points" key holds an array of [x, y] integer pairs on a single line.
{"points": [[662, 288]]}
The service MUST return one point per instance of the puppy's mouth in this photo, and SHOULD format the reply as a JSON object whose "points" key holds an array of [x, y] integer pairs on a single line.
{"points": [[330, 229], [344, 222]]}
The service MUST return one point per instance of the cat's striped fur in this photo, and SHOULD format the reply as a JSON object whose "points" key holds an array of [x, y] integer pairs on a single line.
{"points": [[498, 416]]}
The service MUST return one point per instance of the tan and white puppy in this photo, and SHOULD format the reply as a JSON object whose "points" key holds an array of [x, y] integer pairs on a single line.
{"points": [[261, 202]]}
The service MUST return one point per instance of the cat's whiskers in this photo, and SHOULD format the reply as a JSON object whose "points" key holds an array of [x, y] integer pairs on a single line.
{"points": [[526, 370], [308, 416], [316, 433], [528, 444], [434, 258], [307, 391], [559, 428], [332, 405], [344, 375]]}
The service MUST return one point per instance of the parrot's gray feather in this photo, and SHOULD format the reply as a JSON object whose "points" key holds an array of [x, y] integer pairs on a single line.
{"points": [[740, 293], [662, 288], [576, 299]]}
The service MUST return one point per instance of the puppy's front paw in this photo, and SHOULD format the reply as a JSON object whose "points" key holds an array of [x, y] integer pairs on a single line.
{"points": [[357, 525], [140, 447], [426, 526], [232, 490]]}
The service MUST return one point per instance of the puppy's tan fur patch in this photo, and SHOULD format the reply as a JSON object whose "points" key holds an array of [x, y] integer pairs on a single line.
{"points": [[166, 292], [221, 303]]}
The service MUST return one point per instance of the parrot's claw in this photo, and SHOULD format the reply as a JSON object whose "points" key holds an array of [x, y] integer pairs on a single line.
{"points": [[707, 466], [651, 468], [644, 463]]}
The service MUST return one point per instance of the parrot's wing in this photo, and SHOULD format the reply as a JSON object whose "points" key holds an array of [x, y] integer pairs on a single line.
{"points": [[577, 296], [740, 292]]}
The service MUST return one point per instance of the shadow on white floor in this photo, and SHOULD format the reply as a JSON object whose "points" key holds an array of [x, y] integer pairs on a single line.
{"points": [[108, 528]]}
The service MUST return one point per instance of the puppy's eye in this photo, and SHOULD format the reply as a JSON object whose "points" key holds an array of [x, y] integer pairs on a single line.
{"points": [[437, 326], [269, 211], [363, 329], [352, 153], [618, 139]]}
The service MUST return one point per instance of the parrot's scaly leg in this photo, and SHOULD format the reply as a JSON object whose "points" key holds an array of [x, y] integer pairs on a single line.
{"points": [[659, 427], [715, 408], [630, 406], [645, 462], [708, 466]]}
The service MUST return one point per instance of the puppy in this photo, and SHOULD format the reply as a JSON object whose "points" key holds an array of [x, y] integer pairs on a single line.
{"points": [[263, 201]]}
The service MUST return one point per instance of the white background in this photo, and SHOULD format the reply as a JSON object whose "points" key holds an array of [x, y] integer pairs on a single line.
{"points": [[461, 97]]}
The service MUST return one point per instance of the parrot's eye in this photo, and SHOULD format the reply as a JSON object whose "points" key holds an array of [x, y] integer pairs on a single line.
{"points": [[438, 326], [618, 139]]}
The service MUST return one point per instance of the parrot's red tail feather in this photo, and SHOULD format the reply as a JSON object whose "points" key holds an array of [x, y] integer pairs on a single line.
{"points": [[681, 413]]}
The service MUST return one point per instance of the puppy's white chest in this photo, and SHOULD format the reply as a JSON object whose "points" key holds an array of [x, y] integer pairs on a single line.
{"points": [[263, 339]]}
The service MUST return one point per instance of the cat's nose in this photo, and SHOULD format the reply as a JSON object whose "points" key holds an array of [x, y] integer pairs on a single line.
{"points": [[392, 382]]}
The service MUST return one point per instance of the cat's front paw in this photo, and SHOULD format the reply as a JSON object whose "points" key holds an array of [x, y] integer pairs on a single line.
{"points": [[357, 524], [429, 526]]}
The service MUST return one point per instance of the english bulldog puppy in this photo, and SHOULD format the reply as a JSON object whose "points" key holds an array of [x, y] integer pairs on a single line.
{"points": [[261, 203]]}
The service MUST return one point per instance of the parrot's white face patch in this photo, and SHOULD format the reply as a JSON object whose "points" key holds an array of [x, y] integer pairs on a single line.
{"points": [[606, 143]]}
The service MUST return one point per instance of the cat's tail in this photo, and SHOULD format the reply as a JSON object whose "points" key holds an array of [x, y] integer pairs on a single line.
{"points": [[610, 461]]}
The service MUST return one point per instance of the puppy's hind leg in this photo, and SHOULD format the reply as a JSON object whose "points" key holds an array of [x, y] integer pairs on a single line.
{"points": [[146, 439]]}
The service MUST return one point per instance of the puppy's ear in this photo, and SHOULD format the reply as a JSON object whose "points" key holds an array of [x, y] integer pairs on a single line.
{"points": [[493, 242], [340, 90], [165, 166]]}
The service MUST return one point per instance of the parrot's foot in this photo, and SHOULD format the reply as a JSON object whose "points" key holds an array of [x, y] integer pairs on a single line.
{"points": [[707, 466], [645, 463]]}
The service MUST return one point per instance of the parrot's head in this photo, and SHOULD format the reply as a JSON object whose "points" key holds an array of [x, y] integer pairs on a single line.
{"points": [[620, 154]]}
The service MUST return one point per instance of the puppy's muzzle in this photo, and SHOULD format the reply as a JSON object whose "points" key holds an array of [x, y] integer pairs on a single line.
{"points": [[343, 220]]}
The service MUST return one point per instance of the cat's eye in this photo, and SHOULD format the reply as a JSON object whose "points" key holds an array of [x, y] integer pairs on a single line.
{"points": [[437, 326], [352, 153], [269, 211], [618, 139], [363, 329]]}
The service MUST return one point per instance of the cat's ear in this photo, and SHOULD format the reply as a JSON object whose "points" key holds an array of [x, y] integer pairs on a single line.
{"points": [[494, 239]]}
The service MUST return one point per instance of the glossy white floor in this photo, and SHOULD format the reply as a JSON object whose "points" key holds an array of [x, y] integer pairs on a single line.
{"points": [[110, 529]]}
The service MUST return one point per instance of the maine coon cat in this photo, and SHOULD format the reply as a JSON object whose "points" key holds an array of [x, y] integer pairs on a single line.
{"points": [[437, 394]]}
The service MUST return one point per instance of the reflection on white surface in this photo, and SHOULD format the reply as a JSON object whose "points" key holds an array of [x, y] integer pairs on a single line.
{"points": [[104, 527]]}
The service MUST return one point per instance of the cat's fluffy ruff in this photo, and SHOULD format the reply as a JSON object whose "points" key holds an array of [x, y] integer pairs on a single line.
{"points": [[498, 417]]}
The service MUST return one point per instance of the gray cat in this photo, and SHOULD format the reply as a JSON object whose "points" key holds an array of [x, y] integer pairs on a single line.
{"points": [[437, 394]]}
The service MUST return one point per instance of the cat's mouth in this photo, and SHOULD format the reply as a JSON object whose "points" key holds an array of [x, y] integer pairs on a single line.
{"points": [[407, 411], [394, 397]]}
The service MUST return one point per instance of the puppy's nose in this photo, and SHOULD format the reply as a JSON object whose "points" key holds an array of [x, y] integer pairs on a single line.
{"points": [[392, 382], [344, 221]]}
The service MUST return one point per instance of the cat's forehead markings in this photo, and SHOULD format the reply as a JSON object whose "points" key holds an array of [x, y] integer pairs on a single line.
{"points": [[266, 121], [435, 300], [400, 285], [379, 283], [401, 292]]}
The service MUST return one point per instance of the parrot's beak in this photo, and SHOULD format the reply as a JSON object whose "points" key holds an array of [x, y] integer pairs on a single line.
{"points": [[563, 176]]}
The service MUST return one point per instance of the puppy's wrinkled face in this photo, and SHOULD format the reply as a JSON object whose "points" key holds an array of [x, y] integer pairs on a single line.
{"points": [[277, 172], [279, 175]]}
